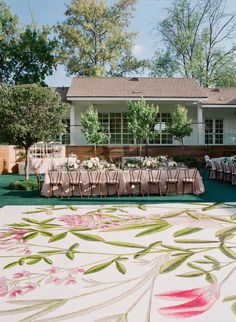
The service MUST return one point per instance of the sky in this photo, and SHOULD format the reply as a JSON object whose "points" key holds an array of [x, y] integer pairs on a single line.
{"points": [[146, 16]]}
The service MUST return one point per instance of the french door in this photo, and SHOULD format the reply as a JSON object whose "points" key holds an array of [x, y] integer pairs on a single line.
{"points": [[214, 131]]}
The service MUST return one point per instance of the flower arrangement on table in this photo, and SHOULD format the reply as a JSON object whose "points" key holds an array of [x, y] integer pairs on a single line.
{"points": [[96, 164], [131, 164], [154, 163], [233, 158]]}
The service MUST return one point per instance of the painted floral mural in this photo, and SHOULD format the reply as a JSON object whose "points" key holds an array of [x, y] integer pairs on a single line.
{"points": [[160, 262]]}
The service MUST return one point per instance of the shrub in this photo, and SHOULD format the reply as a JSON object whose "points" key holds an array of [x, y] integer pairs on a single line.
{"points": [[191, 162], [23, 185]]}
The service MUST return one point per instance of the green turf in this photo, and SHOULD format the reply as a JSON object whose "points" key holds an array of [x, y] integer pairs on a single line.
{"points": [[216, 191]]}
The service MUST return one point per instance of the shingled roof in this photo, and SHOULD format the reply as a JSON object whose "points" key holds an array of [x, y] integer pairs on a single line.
{"points": [[62, 91], [220, 96], [117, 87]]}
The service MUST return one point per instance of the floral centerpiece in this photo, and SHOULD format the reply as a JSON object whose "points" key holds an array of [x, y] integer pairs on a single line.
{"points": [[154, 163], [233, 158], [95, 164]]}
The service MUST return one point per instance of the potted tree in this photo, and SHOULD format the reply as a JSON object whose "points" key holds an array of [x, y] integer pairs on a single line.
{"points": [[180, 126], [92, 128]]}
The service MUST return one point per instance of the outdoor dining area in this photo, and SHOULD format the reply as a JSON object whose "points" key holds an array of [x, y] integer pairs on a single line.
{"points": [[222, 169], [133, 176]]}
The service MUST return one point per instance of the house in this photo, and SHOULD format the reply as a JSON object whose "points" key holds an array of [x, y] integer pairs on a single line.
{"points": [[213, 113]]}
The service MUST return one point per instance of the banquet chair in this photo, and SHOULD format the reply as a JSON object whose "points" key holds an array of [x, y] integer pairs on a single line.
{"points": [[112, 180], [219, 170], [172, 179], [208, 165], [154, 179], [189, 179], [233, 174], [75, 180], [226, 171], [40, 179], [95, 181], [135, 179], [55, 178]]}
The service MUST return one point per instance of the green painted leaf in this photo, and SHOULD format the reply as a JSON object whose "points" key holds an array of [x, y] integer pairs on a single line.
{"points": [[142, 253], [191, 274], [120, 267], [173, 264], [88, 237], [233, 217], [142, 207], [156, 229], [11, 265], [74, 246], [57, 237], [233, 308], [196, 267], [70, 255], [45, 221], [186, 231], [50, 252], [22, 261], [172, 214], [213, 206], [225, 231], [229, 298], [33, 261], [124, 244], [45, 233], [195, 241], [227, 251], [211, 278], [30, 236], [31, 220], [98, 268], [203, 262], [72, 207], [211, 258], [129, 227], [48, 260], [152, 245]]}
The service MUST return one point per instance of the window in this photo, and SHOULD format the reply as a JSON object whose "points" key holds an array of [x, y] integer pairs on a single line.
{"points": [[163, 136], [214, 131], [116, 126], [65, 137]]}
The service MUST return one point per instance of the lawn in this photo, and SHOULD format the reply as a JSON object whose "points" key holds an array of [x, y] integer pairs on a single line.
{"points": [[216, 191]]}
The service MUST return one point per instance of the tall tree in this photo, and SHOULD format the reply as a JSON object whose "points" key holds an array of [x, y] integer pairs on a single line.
{"points": [[8, 28], [29, 114], [92, 128], [94, 39], [27, 55], [141, 118], [33, 56], [198, 35], [180, 126]]}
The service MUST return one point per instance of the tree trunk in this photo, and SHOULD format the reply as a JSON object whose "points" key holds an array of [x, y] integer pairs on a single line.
{"points": [[140, 149], [182, 143], [95, 150], [27, 163], [146, 149]]}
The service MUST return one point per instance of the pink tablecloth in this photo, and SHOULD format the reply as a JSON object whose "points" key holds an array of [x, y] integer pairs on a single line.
{"points": [[123, 184]]}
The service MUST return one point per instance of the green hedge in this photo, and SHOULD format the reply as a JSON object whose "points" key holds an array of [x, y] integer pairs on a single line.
{"points": [[23, 185]]}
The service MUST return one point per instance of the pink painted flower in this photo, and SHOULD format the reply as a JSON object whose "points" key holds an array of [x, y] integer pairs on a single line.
{"points": [[85, 221], [76, 270], [22, 274], [201, 300], [70, 280], [54, 279], [29, 287], [16, 291], [3, 286], [53, 270]]}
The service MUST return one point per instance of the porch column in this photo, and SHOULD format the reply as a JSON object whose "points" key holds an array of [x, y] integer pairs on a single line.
{"points": [[200, 126], [72, 125]]}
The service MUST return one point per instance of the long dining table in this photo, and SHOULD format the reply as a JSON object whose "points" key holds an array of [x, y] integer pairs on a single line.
{"points": [[123, 188]]}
